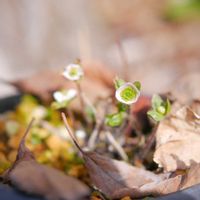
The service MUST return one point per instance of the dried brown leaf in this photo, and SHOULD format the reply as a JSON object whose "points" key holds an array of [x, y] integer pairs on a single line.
{"points": [[116, 174], [151, 189], [38, 179], [192, 177], [117, 179], [178, 139], [29, 176]]}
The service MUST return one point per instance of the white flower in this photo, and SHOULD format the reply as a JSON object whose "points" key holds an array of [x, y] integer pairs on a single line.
{"points": [[73, 72], [127, 93], [39, 112], [66, 95], [81, 134]]}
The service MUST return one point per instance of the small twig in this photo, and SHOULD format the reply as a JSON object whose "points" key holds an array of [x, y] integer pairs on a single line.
{"points": [[22, 149], [94, 134], [84, 102], [89, 103], [150, 142], [116, 145], [71, 115], [100, 119], [70, 132], [27, 131]]}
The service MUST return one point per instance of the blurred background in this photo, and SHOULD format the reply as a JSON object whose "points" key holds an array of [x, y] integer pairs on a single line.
{"points": [[160, 40]]}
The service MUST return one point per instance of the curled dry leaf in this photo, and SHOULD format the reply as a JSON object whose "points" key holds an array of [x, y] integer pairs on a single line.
{"points": [[29, 176], [192, 177], [117, 179], [178, 138], [151, 189]]}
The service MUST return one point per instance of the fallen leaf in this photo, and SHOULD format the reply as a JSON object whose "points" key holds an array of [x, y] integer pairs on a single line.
{"points": [[117, 179], [29, 176], [192, 177], [178, 139], [116, 174], [151, 189]]}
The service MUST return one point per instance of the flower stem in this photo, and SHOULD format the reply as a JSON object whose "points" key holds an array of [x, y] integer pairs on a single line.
{"points": [[80, 92]]}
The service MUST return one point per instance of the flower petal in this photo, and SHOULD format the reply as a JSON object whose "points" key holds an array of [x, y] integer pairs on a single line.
{"points": [[73, 72], [127, 93], [66, 95]]}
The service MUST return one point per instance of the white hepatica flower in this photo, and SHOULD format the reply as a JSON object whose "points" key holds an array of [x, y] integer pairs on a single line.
{"points": [[73, 72], [66, 95], [39, 112], [127, 93], [80, 134]]}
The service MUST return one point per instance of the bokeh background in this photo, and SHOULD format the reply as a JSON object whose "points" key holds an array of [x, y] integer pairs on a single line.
{"points": [[160, 39]]}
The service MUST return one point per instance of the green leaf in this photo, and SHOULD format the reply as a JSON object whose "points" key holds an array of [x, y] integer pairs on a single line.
{"points": [[118, 82], [155, 115], [156, 101], [165, 107], [115, 119], [137, 85], [160, 108], [168, 106]]}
